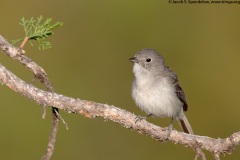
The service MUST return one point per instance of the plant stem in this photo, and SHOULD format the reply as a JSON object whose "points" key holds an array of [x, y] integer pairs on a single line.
{"points": [[24, 42]]}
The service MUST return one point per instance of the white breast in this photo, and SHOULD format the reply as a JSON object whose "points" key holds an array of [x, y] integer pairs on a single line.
{"points": [[156, 95]]}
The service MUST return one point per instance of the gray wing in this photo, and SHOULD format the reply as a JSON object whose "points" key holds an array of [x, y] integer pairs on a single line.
{"points": [[181, 96], [179, 90]]}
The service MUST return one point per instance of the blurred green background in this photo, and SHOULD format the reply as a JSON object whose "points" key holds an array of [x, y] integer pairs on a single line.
{"points": [[89, 60]]}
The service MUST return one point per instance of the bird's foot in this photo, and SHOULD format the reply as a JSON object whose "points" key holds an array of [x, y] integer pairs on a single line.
{"points": [[169, 130], [139, 118]]}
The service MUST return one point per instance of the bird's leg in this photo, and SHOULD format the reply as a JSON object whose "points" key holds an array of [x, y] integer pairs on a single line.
{"points": [[139, 118], [169, 129]]}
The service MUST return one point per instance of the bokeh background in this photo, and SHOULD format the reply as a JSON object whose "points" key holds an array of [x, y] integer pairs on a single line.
{"points": [[89, 60]]}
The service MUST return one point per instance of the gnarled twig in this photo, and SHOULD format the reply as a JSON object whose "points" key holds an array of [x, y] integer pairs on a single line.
{"points": [[39, 73], [92, 109]]}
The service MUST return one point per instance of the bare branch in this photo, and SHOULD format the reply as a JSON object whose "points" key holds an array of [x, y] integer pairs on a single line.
{"points": [[52, 138], [39, 73], [92, 109], [17, 54]]}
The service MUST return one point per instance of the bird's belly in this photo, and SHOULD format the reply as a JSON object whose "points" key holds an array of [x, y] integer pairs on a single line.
{"points": [[160, 102]]}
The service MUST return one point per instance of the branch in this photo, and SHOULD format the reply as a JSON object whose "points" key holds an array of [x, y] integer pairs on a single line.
{"points": [[126, 119], [92, 109], [39, 73], [17, 54], [23, 42]]}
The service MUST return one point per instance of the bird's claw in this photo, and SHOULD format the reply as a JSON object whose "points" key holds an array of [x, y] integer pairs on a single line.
{"points": [[169, 130], [139, 118]]}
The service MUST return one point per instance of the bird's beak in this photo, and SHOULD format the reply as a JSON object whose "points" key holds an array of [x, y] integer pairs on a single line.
{"points": [[133, 59]]}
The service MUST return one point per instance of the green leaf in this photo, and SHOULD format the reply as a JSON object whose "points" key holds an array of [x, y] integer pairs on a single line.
{"points": [[38, 30]]}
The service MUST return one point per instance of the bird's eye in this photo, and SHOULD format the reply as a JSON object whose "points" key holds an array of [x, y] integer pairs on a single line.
{"points": [[148, 60]]}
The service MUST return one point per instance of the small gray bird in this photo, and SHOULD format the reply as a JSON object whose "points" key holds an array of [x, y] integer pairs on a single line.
{"points": [[156, 89]]}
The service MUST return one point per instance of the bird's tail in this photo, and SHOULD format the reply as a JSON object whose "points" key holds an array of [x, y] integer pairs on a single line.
{"points": [[186, 127]]}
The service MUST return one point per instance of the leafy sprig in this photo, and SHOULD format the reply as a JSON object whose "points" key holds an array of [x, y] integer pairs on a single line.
{"points": [[38, 30]]}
